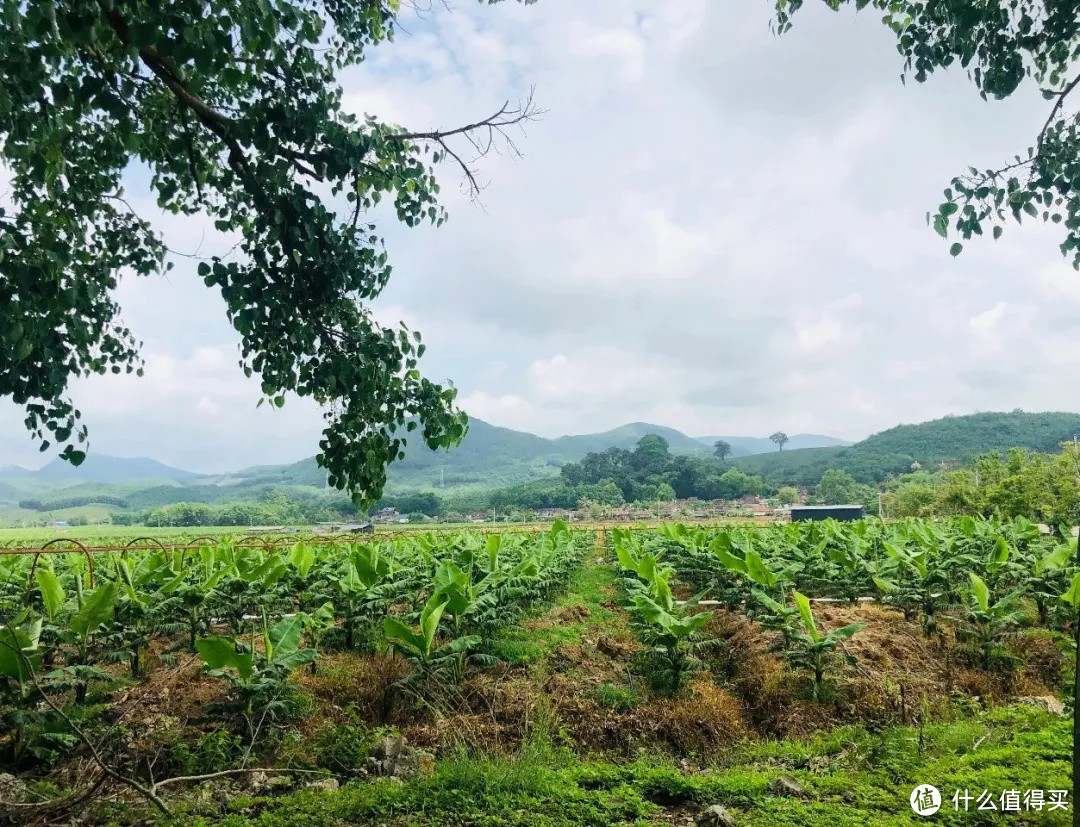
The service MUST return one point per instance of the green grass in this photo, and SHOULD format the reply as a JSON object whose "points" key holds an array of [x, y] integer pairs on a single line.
{"points": [[851, 777], [578, 614]]}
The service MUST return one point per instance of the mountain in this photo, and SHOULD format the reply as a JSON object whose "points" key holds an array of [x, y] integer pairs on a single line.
{"points": [[951, 439], [489, 457], [627, 436], [100, 468], [742, 446]]}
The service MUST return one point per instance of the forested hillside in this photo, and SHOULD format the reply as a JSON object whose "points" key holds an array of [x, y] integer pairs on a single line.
{"points": [[951, 439]]}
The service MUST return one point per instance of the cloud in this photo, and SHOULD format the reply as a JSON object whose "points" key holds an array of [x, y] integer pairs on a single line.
{"points": [[712, 228], [984, 326]]}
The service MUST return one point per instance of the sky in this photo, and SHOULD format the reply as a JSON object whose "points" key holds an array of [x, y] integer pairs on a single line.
{"points": [[711, 228]]}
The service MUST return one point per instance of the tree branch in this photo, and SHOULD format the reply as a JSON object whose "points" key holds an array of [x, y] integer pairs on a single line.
{"points": [[481, 135], [223, 773], [1054, 111]]}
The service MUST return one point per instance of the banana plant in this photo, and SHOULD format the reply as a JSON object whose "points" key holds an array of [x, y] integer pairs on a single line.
{"points": [[430, 659], [1048, 576], [737, 555], [196, 588], [28, 730], [664, 625], [320, 622], [356, 586], [249, 587], [776, 616], [812, 650], [142, 611], [850, 571], [257, 677], [917, 581], [987, 624], [670, 632], [74, 626]]}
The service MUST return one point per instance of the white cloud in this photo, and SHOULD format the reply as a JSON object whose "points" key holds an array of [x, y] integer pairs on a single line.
{"points": [[712, 228]]}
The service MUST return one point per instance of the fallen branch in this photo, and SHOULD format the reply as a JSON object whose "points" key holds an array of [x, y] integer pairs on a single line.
{"points": [[208, 776]]}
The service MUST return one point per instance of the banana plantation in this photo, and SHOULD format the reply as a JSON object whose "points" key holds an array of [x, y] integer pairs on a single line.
{"points": [[808, 671]]}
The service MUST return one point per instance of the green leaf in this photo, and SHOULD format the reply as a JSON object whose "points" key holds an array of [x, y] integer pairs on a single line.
{"points": [[302, 558], [803, 604], [1072, 596], [18, 654], [844, 632], [956, 249], [396, 630], [52, 593], [940, 225], [220, 653], [430, 617], [980, 590], [285, 636], [1059, 557], [96, 610], [757, 571]]}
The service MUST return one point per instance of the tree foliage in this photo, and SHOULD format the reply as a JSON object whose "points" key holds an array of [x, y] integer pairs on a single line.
{"points": [[232, 110], [1001, 44]]}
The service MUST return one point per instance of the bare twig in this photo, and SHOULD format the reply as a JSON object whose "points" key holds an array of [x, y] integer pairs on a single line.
{"points": [[482, 135]]}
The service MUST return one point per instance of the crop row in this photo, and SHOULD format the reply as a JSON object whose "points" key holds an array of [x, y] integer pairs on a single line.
{"points": [[992, 578], [255, 615]]}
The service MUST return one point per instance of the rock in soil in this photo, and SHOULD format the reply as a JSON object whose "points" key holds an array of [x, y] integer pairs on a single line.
{"points": [[393, 758], [715, 816], [12, 789], [786, 785], [1047, 702]]}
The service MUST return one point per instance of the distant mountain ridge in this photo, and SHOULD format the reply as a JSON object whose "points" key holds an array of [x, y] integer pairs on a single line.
{"points": [[102, 468], [490, 456]]}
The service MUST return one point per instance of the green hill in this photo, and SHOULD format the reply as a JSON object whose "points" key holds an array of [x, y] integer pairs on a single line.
{"points": [[952, 439], [489, 457]]}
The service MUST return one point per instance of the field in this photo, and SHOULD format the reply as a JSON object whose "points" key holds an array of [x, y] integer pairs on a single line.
{"points": [[784, 674]]}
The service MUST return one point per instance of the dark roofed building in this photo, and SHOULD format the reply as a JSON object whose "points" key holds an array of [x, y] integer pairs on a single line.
{"points": [[800, 513]]}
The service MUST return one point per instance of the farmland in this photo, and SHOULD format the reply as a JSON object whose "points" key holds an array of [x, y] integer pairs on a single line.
{"points": [[792, 673]]}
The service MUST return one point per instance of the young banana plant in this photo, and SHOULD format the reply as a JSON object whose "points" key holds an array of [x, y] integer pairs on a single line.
{"points": [[73, 627], [27, 729], [989, 623], [430, 659], [356, 585], [917, 581], [1049, 575], [257, 677], [812, 650]]}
